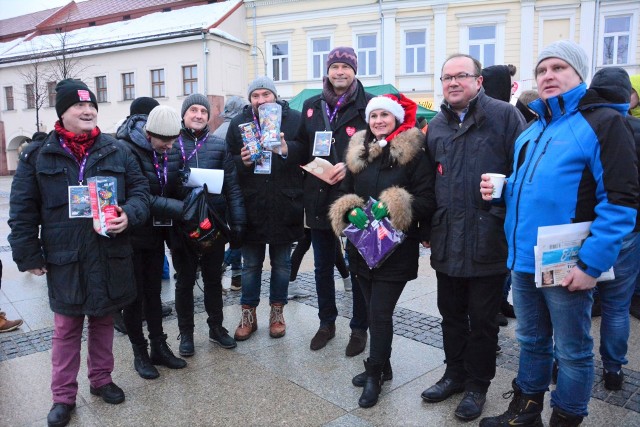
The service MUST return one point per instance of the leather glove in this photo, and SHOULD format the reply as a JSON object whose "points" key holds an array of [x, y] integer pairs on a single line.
{"points": [[379, 210], [236, 235], [358, 218]]}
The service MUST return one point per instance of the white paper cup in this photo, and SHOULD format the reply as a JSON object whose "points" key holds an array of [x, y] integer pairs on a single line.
{"points": [[497, 179]]}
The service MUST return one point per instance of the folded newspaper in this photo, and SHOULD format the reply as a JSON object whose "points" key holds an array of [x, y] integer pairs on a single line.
{"points": [[557, 253]]}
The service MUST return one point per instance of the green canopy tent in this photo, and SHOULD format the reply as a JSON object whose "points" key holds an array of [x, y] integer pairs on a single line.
{"points": [[297, 101]]}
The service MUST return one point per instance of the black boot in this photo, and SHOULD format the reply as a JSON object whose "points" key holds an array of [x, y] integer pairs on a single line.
{"points": [[186, 348], [560, 418], [118, 322], [142, 363], [372, 386], [387, 375], [524, 410], [161, 354]]}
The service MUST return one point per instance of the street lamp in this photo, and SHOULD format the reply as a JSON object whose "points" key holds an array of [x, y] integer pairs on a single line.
{"points": [[254, 53]]}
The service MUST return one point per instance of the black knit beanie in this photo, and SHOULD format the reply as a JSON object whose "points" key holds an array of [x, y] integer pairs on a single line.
{"points": [[69, 92], [142, 105]]}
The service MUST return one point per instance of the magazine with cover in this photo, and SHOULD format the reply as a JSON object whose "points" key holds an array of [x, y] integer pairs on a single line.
{"points": [[103, 193], [557, 253], [270, 116]]}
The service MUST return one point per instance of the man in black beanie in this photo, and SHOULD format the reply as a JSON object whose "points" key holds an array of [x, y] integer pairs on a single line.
{"points": [[52, 233]]}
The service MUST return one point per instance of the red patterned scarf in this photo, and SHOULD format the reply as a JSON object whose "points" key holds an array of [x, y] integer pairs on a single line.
{"points": [[79, 144]]}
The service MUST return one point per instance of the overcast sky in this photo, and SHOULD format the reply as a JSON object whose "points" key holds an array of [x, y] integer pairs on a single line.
{"points": [[11, 8]]}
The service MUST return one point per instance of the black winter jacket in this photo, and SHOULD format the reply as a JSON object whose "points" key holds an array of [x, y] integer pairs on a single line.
{"points": [[467, 233], [213, 154], [402, 176], [318, 195], [87, 274], [165, 202], [273, 202]]}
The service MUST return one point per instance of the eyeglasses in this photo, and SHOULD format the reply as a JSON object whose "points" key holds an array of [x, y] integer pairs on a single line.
{"points": [[447, 78]]}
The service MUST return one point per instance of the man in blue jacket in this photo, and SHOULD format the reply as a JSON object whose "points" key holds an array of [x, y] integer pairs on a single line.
{"points": [[578, 161]]}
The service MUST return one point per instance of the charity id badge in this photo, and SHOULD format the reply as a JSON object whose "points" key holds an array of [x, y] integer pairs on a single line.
{"points": [[322, 144], [79, 201], [263, 166]]}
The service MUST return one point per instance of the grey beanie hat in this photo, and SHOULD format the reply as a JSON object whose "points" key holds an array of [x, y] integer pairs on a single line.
{"points": [[262, 82], [164, 121], [195, 99], [570, 52]]}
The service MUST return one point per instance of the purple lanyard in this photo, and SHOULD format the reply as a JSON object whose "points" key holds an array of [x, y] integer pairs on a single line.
{"points": [[332, 115], [80, 164], [198, 145], [156, 164]]}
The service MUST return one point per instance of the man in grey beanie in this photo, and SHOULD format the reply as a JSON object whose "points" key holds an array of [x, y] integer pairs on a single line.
{"points": [[201, 149], [578, 159]]}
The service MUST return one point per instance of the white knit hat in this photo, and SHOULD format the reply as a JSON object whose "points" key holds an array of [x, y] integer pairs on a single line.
{"points": [[570, 52], [164, 121], [388, 103]]}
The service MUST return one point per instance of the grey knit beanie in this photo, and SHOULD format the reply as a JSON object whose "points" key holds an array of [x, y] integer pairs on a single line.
{"points": [[570, 52], [195, 99], [262, 82], [164, 121]]}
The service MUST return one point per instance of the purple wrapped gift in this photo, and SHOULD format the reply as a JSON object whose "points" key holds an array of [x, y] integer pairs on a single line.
{"points": [[376, 242]]}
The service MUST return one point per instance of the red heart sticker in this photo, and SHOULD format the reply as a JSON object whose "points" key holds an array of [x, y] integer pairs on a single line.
{"points": [[351, 130], [440, 171], [310, 112]]}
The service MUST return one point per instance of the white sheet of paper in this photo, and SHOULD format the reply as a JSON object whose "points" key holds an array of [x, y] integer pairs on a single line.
{"points": [[214, 178]]}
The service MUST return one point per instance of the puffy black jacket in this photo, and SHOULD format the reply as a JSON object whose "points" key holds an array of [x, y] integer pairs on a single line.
{"points": [[467, 233], [164, 203], [318, 195], [402, 176], [213, 154], [87, 274], [274, 201]]}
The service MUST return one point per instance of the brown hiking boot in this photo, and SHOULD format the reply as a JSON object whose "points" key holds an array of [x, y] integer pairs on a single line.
{"points": [[8, 325], [248, 323], [277, 327], [236, 283]]}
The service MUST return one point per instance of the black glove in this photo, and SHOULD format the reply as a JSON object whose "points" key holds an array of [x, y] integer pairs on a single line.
{"points": [[236, 235]]}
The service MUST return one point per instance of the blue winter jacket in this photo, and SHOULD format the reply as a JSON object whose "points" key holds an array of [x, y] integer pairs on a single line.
{"points": [[576, 163]]}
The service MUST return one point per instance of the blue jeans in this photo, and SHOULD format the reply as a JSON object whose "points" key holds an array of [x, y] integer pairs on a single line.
{"points": [[324, 257], [233, 257], [548, 315], [253, 254], [615, 298]]}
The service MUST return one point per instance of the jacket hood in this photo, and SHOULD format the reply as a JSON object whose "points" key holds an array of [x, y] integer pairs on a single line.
{"points": [[132, 130], [496, 81], [233, 107], [612, 84]]}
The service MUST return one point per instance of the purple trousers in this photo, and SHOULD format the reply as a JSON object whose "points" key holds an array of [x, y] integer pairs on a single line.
{"points": [[65, 354]]}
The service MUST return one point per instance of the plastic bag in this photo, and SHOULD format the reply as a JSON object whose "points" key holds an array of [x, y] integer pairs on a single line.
{"points": [[201, 225], [376, 242]]}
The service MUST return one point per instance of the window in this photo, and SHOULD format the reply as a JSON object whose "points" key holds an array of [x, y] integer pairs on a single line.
{"points": [[617, 32], [482, 44], [367, 59], [51, 93], [189, 79], [157, 83], [280, 61], [30, 92], [128, 87], [415, 51], [8, 97], [320, 51], [101, 88]]}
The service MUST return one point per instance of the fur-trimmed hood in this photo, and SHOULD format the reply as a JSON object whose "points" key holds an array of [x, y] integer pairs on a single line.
{"points": [[402, 149]]}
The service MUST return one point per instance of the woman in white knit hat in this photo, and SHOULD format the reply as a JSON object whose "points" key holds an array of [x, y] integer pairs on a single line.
{"points": [[386, 162], [151, 139]]}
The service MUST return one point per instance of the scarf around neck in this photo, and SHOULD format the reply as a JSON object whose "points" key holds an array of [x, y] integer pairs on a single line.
{"points": [[79, 144], [330, 96]]}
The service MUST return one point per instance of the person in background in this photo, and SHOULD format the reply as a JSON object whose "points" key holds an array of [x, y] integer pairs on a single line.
{"points": [[7, 325], [471, 135], [232, 257], [579, 157], [150, 139], [272, 189], [200, 149], [339, 109], [634, 120], [525, 98], [88, 274], [386, 162]]}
